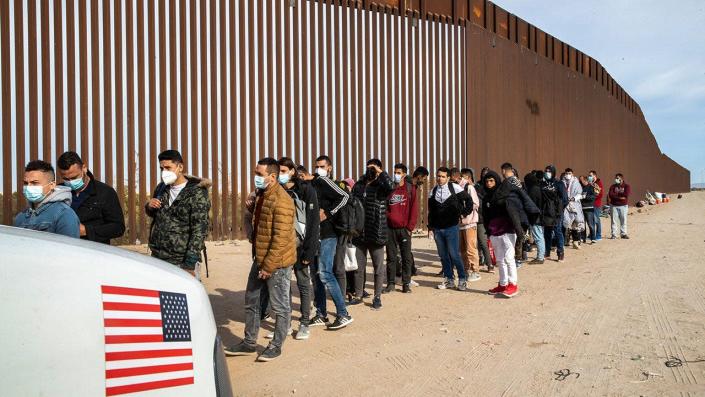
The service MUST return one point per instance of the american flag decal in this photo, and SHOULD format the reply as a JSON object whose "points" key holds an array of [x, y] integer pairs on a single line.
{"points": [[147, 340]]}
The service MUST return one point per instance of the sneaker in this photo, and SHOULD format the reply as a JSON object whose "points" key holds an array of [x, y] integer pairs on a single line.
{"points": [[317, 321], [625, 237], [462, 285], [598, 239], [241, 349], [440, 273], [519, 264], [497, 290], [561, 257], [340, 322], [269, 354], [377, 303], [271, 334], [613, 238], [390, 288], [510, 291], [474, 276], [413, 283], [490, 269], [406, 289], [303, 333], [576, 245], [354, 301], [447, 283], [365, 294], [536, 262]]}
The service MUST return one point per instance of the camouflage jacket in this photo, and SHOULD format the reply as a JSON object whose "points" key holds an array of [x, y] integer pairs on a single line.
{"points": [[179, 230]]}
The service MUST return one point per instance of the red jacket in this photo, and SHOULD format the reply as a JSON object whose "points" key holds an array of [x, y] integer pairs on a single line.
{"points": [[619, 194], [598, 198], [402, 208]]}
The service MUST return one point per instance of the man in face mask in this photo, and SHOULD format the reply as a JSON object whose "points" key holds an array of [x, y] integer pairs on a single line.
{"points": [[555, 200], [179, 211], [596, 183], [402, 213], [95, 203], [619, 202], [49, 207], [275, 255]]}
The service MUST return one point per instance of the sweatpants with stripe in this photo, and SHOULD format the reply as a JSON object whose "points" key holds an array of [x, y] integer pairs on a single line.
{"points": [[504, 251]]}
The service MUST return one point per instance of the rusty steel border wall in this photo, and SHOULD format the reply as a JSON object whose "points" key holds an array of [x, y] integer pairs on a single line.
{"points": [[424, 82]]}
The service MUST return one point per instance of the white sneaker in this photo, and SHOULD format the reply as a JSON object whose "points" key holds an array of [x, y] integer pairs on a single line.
{"points": [[575, 245], [474, 276], [413, 283], [446, 284], [271, 334]]}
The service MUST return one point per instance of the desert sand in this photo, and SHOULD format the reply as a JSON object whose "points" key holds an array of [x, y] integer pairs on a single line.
{"points": [[608, 319]]}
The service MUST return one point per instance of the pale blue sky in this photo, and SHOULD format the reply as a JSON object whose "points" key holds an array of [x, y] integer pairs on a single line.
{"points": [[654, 49]]}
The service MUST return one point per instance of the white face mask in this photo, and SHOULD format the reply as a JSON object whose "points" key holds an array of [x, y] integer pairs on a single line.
{"points": [[568, 177], [322, 172], [168, 177]]}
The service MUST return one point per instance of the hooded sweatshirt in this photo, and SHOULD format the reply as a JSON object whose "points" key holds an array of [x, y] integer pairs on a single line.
{"points": [[53, 214], [494, 213]]}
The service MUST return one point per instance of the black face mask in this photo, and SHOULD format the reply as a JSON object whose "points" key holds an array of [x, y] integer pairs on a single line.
{"points": [[370, 174]]}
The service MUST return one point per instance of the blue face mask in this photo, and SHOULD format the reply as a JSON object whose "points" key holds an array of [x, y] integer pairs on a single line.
{"points": [[548, 176], [34, 194], [284, 178], [590, 178], [259, 182], [75, 184]]}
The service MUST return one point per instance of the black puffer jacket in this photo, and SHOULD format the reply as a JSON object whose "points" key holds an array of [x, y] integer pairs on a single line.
{"points": [[374, 199], [533, 189]]}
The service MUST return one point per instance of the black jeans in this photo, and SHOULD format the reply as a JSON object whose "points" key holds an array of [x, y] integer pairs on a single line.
{"points": [[278, 287], [482, 245], [399, 242], [377, 255]]}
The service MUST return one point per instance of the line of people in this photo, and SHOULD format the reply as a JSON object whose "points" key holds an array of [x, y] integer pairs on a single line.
{"points": [[323, 230]]}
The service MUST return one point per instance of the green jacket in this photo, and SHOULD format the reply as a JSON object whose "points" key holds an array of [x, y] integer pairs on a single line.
{"points": [[179, 230]]}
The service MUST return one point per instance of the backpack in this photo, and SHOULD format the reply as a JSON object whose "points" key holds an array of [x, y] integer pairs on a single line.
{"points": [[350, 220], [300, 219]]}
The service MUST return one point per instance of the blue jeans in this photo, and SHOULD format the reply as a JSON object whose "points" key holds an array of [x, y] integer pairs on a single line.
{"points": [[549, 232], [597, 223], [537, 234], [448, 243], [325, 280]]}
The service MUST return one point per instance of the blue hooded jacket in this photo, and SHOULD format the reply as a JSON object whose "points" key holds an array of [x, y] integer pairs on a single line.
{"points": [[53, 214]]}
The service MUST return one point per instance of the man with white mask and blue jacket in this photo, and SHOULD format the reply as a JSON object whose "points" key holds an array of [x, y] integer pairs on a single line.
{"points": [[49, 207]]}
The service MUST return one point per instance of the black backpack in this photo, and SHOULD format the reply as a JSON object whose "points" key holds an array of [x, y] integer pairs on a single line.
{"points": [[350, 220]]}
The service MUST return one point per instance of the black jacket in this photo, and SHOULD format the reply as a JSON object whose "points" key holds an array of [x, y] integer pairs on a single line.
{"points": [[555, 198], [101, 213], [309, 248], [589, 201], [533, 189], [331, 198], [480, 189], [374, 199], [447, 214]]}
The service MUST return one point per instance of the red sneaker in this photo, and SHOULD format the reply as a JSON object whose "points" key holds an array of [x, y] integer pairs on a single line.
{"points": [[510, 290], [497, 290]]}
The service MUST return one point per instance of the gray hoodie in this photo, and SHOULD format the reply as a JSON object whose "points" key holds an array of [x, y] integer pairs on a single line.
{"points": [[53, 214]]}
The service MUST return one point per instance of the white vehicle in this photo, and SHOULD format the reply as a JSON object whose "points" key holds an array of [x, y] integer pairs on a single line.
{"points": [[84, 319]]}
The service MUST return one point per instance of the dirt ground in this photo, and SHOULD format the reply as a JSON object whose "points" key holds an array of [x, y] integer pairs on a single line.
{"points": [[612, 315]]}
